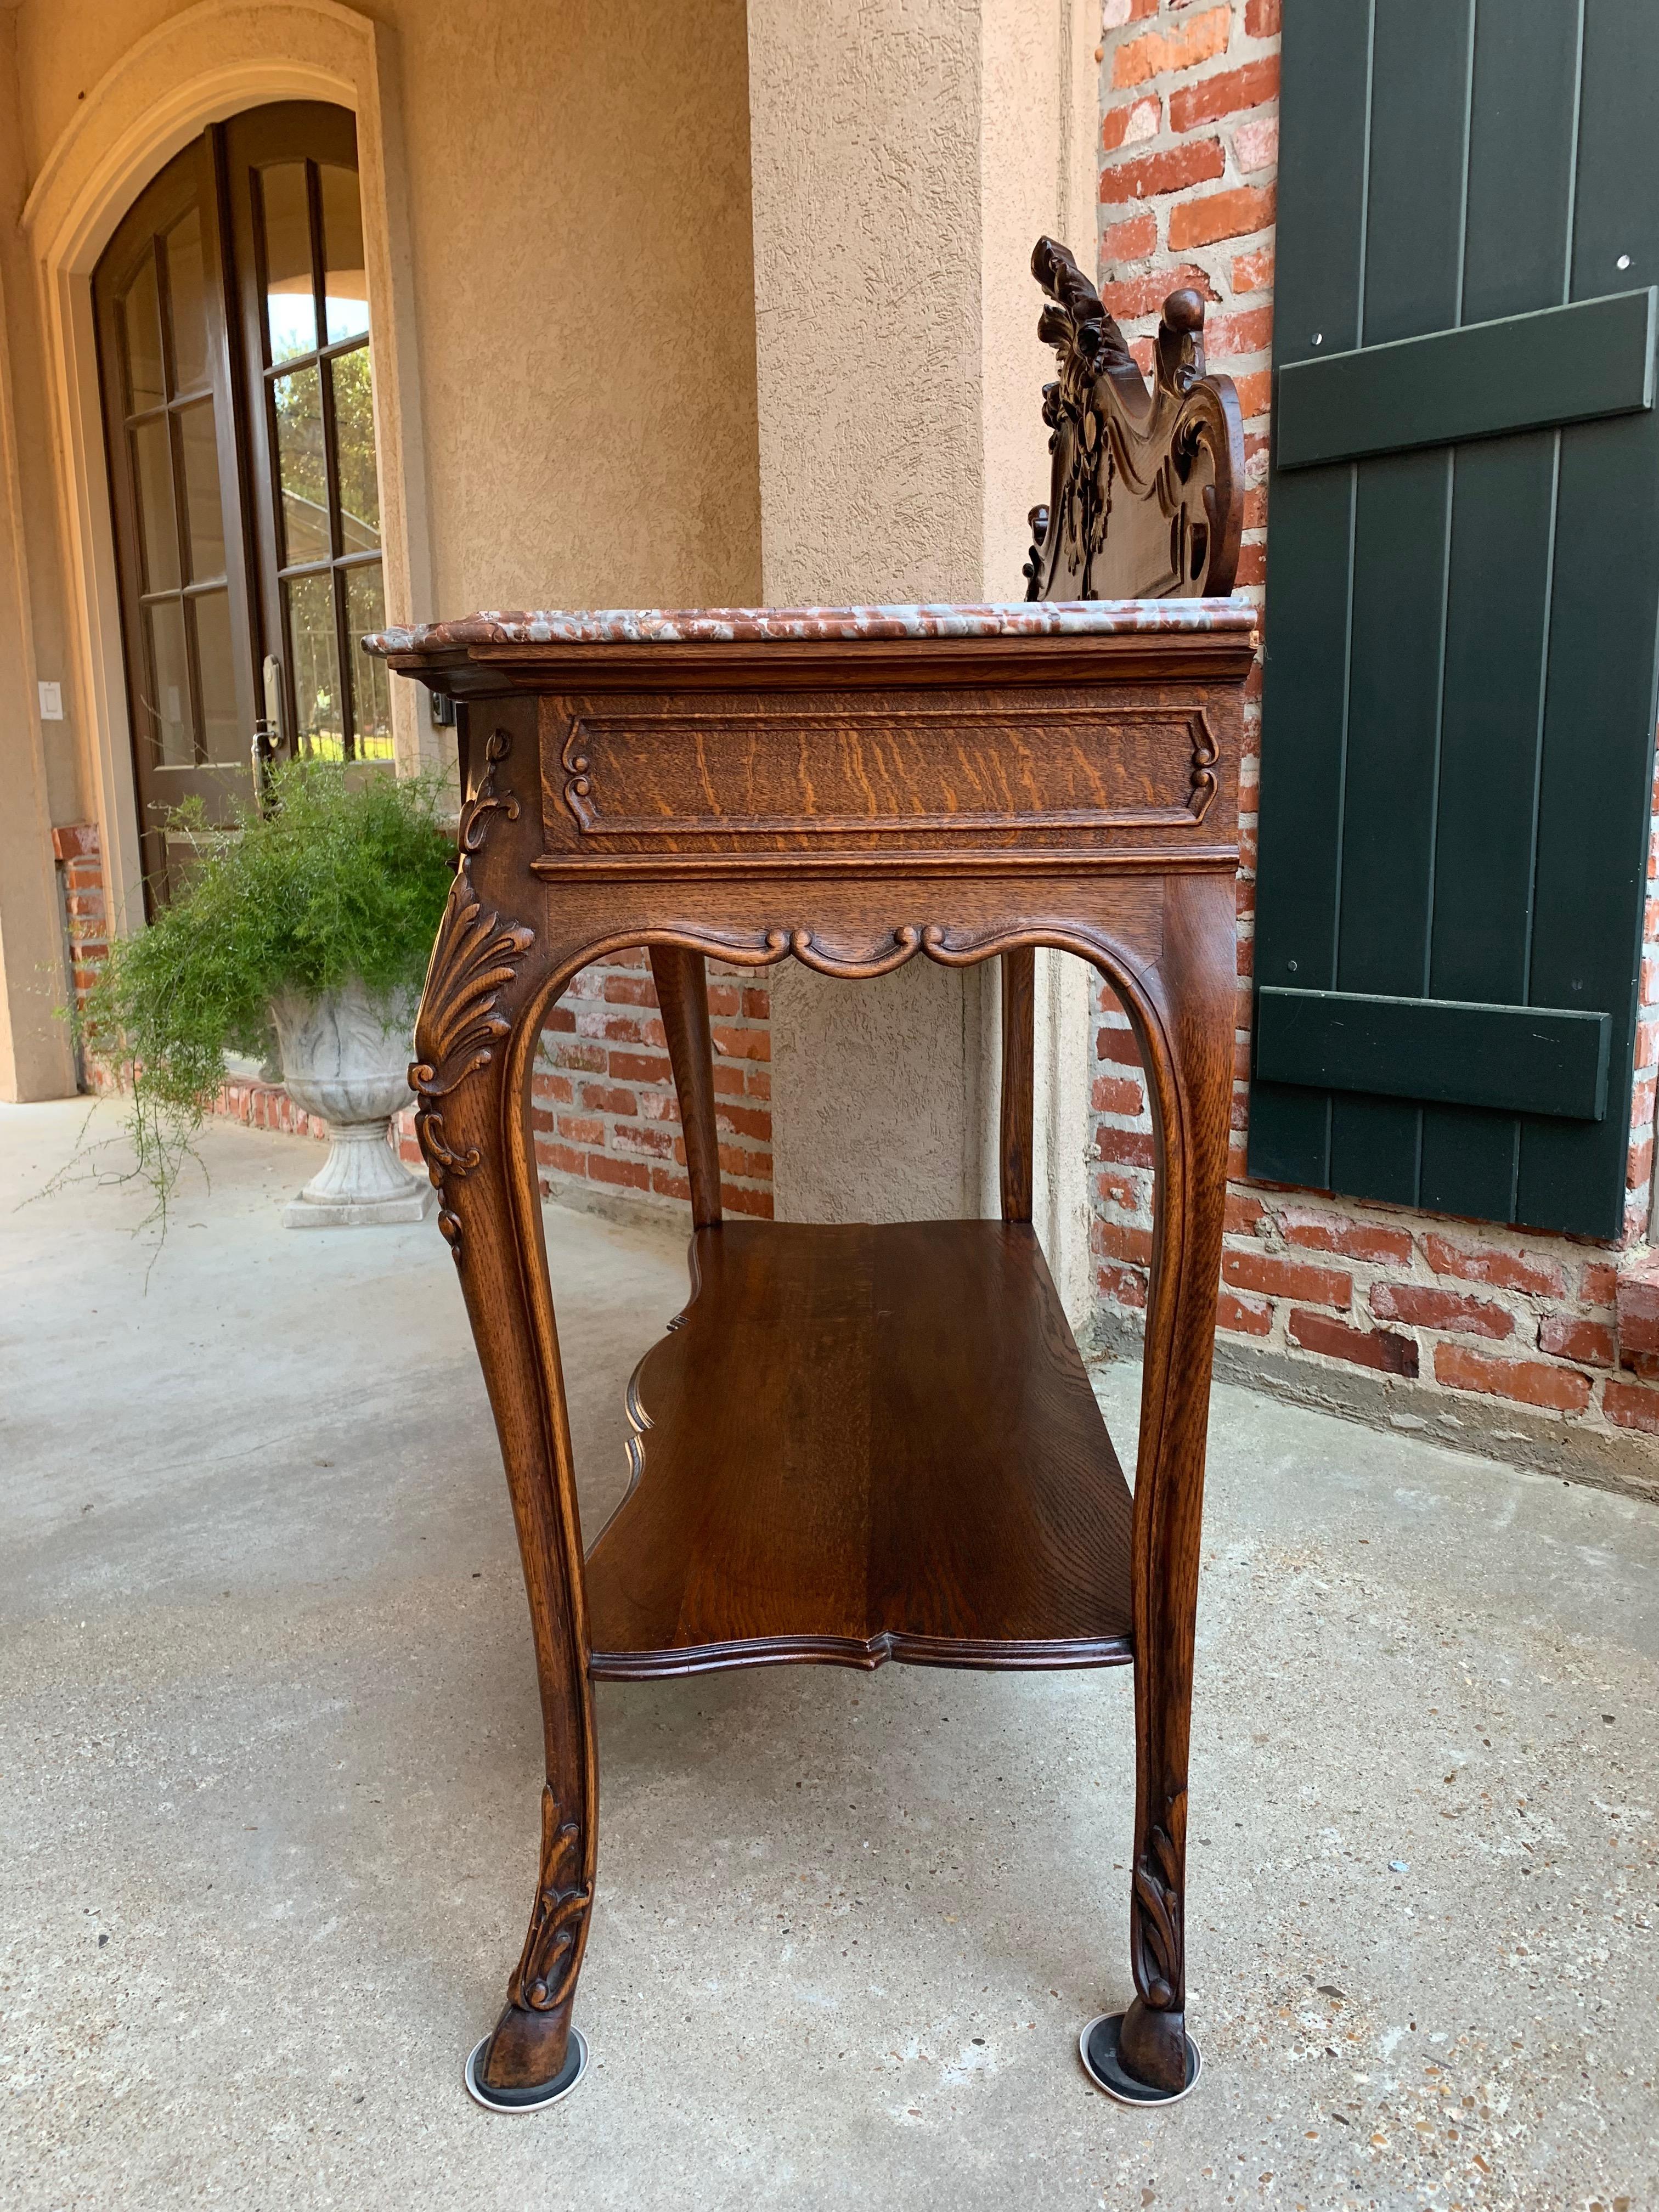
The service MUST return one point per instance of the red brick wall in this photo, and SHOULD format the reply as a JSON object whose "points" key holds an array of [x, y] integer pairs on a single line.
{"points": [[81, 881], [603, 1102], [1452, 1312]]}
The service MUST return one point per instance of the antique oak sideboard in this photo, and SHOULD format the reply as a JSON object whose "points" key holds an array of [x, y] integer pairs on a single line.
{"points": [[863, 1443]]}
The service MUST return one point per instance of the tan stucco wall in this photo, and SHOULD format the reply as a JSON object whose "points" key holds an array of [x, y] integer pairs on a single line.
{"points": [[37, 761], [904, 156], [24, 369], [580, 250], [863, 130], [580, 219], [864, 150]]}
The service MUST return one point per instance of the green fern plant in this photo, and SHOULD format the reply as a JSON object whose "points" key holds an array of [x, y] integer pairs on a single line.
{"points": [[344, 874]]}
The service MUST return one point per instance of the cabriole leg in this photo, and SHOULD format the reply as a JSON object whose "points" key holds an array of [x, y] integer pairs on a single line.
{"points": [[474, 1040], [1184, 1023]]}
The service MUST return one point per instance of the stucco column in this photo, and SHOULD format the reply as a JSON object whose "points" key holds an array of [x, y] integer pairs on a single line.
{"points": [[36, 1060], [905, 154], [36, 1057]]}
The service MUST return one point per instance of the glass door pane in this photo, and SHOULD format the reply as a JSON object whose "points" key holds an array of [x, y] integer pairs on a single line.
{"points": [[354, 436], [314, 658], [290, 292], [158, 525], [371, 680], [140, 322], [198, 441], [165, 704], [224, 738], [293, 175], [345, 289], [301, 465], [187, 306]]}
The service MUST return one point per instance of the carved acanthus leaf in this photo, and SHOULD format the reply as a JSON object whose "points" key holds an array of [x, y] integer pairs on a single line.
{"points": [[547, 1971], [1157, 1942], [475, 958], [459, 1023]]}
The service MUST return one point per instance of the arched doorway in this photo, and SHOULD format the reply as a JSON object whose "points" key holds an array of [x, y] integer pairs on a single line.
{"points": [[233, 339]]}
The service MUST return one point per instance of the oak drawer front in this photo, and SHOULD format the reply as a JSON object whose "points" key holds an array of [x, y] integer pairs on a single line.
{"points": [[859, 771]]}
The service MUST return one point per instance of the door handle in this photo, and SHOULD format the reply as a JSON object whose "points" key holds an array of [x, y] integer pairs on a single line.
{"points": [[267, 739]]}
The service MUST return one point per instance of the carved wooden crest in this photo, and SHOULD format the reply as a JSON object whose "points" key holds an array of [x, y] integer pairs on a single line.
{"points": [[1146, 499]]}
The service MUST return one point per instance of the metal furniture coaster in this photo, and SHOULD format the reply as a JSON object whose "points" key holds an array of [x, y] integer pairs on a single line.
{"points": [[864, 1443]]}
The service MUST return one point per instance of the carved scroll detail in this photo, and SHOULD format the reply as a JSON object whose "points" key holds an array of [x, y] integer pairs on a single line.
{"points": [[951, 947], [547, 1970], [1157, 1939], [476, 956], [1167, 463], [486, 800], [577, 789], [1206, 751], [884, 955], [902, 945]]}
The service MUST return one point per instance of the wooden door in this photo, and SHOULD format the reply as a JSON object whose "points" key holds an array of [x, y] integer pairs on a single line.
{"points": [[165, 353], [1462, 605], [231, 308]]}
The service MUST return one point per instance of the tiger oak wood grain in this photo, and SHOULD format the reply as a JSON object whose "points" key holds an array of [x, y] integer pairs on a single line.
{"points": [[838, 769], [864, 1443]]}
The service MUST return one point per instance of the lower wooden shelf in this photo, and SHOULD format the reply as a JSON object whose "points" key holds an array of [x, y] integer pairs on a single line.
{"points": [[859, 1443]]}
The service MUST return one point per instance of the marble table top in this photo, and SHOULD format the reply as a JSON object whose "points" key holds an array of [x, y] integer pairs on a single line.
{"points": [[755, 625]]}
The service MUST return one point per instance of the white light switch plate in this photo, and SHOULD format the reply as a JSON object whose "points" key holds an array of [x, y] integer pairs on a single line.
{"points": [[51, 702]]}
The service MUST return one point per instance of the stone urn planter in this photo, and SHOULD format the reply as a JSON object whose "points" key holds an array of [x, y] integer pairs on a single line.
{"points": [[345, 1057]]}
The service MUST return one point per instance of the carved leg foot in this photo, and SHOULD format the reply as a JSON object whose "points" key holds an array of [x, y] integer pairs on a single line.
{"points": [[1140, 2056], [534, 2057], [530, 2060]]}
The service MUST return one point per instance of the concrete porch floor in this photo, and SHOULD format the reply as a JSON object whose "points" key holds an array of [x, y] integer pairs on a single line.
{"points": [[269, 1774]]}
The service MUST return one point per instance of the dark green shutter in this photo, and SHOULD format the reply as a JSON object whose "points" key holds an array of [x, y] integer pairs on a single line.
{"points": [[1462, 617]]}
